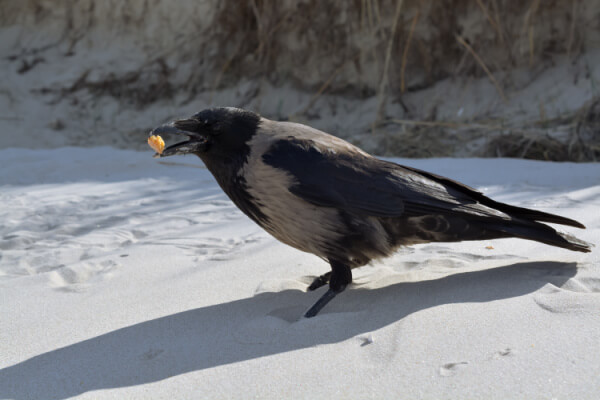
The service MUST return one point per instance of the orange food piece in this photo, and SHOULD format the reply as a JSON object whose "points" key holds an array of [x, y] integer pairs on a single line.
{"points": [[157, 143]]}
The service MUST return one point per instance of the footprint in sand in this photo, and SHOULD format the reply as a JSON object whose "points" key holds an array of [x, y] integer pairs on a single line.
{"points": [[269, 329], [566, 302], [586, 280], [79, 277], [151, 354], [503, 353], [574, 295], [289, 314], [216, 249], [452, 369], [233, 246]]}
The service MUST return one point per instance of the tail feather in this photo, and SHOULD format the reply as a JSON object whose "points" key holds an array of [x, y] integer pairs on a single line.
{"points": [[534, 215], [544, 234], [517, 212]]}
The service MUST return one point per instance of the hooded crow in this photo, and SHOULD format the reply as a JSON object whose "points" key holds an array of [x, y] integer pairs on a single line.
{"points": [[322, 195]]}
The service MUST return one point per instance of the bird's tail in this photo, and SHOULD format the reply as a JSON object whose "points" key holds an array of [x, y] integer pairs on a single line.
{"points": [[542, 233]]}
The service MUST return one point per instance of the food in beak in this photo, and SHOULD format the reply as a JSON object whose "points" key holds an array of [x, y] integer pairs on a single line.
{"points": [[157, 143]]}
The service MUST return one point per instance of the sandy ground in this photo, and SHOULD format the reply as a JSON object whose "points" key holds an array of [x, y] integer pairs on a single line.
{"points": [[122, 276]]}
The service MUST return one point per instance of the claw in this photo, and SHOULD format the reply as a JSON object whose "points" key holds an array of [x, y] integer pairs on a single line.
{"points": [[319, 281]]}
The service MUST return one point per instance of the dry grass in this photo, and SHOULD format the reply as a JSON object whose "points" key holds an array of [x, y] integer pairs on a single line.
{"points": [[384, 48], [356, 48], [580, 141], [389, 46], [306, 41], [483, 66], [138, 88], [573, 137]]}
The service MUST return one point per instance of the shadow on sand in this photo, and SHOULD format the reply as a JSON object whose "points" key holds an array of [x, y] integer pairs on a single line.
{"points": [[220, 334]]}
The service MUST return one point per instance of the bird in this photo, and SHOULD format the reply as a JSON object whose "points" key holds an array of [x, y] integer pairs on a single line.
{"points": [[322, 195]]}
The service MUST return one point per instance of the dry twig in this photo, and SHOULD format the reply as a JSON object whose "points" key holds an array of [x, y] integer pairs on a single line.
{"points": [[388, 55], [405, 54], [482, 64]]}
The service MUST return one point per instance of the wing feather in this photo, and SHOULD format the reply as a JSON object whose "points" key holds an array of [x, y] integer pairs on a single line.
{"points": [[331, 176]]}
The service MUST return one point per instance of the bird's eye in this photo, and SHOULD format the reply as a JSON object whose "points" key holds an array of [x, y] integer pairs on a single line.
{"points": [[210, 125]]}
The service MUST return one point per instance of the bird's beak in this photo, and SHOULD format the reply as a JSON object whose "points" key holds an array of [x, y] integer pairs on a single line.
{"points": [[197, 142]]}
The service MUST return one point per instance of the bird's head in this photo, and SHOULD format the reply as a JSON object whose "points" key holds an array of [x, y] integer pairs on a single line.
{"points": [[212, 133]]}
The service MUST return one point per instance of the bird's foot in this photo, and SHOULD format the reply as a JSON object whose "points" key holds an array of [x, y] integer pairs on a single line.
{"points": [[339, 277], [319, 281]]}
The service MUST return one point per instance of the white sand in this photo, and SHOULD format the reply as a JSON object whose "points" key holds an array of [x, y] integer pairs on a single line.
{"points": [[128, 278]]}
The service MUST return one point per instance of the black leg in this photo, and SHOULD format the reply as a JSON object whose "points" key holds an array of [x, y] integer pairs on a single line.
{"points": [[340, 277], [318, 306], [320, 281]]}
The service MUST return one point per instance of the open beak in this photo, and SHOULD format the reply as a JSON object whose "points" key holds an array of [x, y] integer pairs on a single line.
{"points": [[196, 143]]}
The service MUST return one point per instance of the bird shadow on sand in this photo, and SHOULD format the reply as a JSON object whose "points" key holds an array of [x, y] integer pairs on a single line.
{"points": [[263, 325]]}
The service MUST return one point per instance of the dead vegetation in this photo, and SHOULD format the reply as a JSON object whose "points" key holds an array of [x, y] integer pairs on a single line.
{"points": [[357, 48], [540, 141], [392, 41], [146, 85], [573, 137]]}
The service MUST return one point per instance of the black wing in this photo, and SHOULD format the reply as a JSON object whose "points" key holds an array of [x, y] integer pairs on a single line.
{"points": [[336, 177], [514, 211], [351, 181], [340, 179]]}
